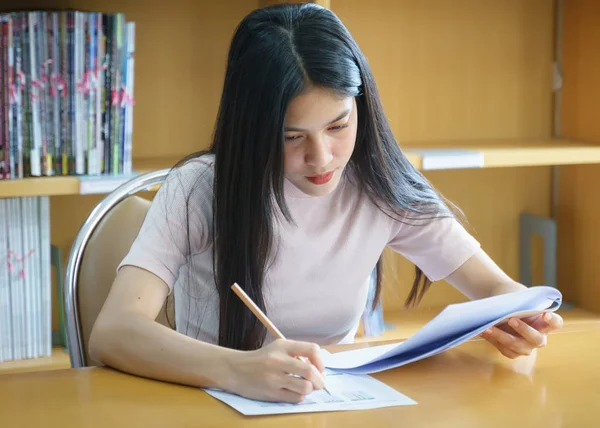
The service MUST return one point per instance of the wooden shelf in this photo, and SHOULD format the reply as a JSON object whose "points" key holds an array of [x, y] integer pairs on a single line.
{"points": [[59, 360], [501, 153], [71, 185], [39, 186], [448, 155]]}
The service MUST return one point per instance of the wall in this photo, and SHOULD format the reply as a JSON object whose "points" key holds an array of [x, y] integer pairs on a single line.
{"points": [[464, 70], [579, 213]]}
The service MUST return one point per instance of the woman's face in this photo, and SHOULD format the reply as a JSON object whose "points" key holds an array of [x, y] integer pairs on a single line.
{"points": [[319, 136]]}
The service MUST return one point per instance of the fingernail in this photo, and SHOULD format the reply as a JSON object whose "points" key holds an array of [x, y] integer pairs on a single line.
{"points": [[513, 323], [547, 316]]}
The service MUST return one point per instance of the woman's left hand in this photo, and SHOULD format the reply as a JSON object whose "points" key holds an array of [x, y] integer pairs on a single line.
{"points": [[521, 336]]}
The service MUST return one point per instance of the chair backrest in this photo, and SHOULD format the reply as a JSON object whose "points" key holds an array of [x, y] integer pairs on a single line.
{"points": [[101, 244]]}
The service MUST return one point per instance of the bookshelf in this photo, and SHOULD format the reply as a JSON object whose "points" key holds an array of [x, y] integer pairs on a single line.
{"points": [[465, 75]]}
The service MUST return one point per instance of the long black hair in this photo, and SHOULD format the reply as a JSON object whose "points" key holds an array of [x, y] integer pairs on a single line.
{"points": [[276, 53]]}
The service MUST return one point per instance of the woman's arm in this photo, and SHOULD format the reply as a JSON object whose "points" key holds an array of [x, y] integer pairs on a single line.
{"points": [[481, 277], [127, 337]]}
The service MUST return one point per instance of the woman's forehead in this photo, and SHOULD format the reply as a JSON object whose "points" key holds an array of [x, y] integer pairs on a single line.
{"points": [[317, 106]]}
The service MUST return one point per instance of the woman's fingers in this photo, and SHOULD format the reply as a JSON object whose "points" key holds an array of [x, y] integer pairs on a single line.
{"points": [[503, 350], [311, 351], [545, 323], [530, 334], [298, 385], [553, 321], [288, 396], [304, 369], [506, 340]]}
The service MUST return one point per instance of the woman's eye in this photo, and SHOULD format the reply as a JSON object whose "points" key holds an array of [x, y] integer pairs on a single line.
{"points": [[291, 137], [338, 127]]}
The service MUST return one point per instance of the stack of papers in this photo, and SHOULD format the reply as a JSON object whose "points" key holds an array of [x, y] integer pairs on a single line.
{"points": [[456, 324], [347, 376]]}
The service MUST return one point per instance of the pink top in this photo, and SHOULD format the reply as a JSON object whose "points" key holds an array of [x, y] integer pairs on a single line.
{"points": [[317, 288]]}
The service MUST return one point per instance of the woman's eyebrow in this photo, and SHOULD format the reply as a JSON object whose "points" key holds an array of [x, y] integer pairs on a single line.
{"points": [[341, 116]]}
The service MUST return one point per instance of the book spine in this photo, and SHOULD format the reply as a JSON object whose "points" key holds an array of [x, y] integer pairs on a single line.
{"points": [[46, 72], [19, 91], [116, 87], [55, 89], [107, 22], [27, 275], [64, 98], [8, 173], [98, 96], [45, 274], [36, 151], [10, 78], [45, 104], [41, 92], [15, 269], [6, 100], [12, 225], [90, 92], [3, 89], [27, 129], [72, 89], [129, 99], [5, 307], [79, 43]]}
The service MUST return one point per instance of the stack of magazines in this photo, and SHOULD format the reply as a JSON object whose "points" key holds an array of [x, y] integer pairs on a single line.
{"points": [[66, 93], [25, 278]]}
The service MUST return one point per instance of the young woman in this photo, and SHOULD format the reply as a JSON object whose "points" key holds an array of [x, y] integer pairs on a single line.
{"points": [[303, 187]]}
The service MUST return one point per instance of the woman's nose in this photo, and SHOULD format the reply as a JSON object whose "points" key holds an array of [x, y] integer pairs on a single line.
{"points": [[318, 154]]}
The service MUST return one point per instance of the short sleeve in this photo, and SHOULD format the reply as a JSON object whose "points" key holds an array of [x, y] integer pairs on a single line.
{"points": [[438, 246], [178, 223]]}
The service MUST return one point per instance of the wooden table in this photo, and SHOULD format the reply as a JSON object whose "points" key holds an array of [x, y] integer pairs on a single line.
{"points": [[468, 386]]}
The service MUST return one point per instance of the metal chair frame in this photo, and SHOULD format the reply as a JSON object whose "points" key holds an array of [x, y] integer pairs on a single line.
{"points": [[70, 294]]}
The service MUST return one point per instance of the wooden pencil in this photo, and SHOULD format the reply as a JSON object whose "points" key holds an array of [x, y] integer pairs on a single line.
{"points": [[261, 316]]}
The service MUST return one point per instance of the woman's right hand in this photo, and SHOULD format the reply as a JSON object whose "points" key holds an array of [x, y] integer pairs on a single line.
{"points": [[273, 373]]}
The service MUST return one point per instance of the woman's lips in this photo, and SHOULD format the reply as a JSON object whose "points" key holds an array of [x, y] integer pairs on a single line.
{"points": [[321, 179]]}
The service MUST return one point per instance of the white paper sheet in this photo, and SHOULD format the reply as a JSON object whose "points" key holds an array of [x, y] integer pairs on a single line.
{"points": [[453, 326], [348, 392]]}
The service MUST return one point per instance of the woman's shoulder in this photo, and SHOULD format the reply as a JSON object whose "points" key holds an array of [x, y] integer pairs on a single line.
{"points": [[194, 168], [191, 175], [189, 184]]}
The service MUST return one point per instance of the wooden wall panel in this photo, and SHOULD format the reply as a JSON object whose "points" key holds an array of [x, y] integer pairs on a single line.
{"points": [[456, 70], [581, 66], [579, 211], [464, 70]]}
